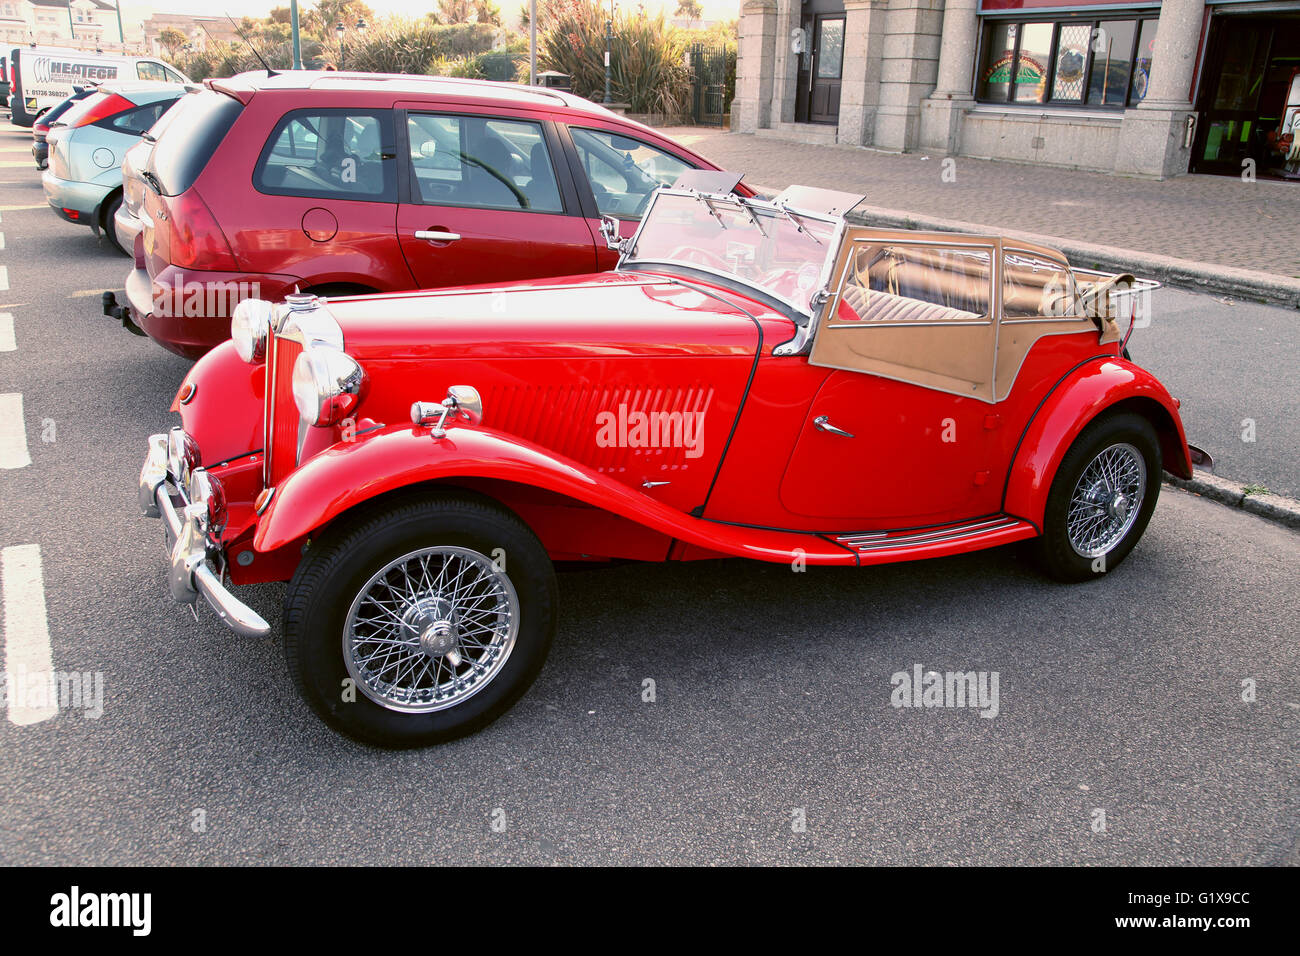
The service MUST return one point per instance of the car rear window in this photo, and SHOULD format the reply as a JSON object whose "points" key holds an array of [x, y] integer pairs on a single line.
{"points": [[81, 107], [139, 119], [201, 122]]}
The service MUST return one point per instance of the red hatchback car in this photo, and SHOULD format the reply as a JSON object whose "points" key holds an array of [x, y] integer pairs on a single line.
{"points": [[350, 183]]}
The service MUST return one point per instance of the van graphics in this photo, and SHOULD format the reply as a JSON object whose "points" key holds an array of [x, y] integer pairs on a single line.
{"points": [[46, 69]]}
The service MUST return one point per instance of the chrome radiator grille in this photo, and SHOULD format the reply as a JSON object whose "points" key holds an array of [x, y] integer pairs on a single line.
{"points": [[281, 416]]}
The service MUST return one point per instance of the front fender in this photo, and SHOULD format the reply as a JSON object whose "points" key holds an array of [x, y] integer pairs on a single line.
{"points": [[225, 414], [396, 456], [1100, 384]]}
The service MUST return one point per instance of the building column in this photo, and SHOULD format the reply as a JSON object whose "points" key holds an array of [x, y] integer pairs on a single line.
{"points": [[942, 110], [785, 73], [864, 37], [1152, 137], [755, 67], [908, 69]]}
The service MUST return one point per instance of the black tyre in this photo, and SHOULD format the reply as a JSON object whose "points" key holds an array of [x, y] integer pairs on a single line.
{"points": [[421, 620], [113, 204], [1101, 498]]}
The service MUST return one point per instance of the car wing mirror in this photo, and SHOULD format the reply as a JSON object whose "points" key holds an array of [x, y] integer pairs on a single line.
{"points": [[609, 231]]}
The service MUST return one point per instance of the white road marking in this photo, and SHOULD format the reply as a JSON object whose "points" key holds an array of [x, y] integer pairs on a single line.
{"points": [[4, 278], [7, 341], [13, 432], [29, 659]]}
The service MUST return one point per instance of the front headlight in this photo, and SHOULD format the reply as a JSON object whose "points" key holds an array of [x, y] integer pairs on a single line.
{"points": [[249, 325], [328, 384]]}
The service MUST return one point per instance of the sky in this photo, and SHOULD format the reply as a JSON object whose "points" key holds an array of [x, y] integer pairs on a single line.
{"points": [[713, 9]]}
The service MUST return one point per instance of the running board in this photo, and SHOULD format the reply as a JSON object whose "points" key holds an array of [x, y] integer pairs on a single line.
{"points": [[940, 539]]}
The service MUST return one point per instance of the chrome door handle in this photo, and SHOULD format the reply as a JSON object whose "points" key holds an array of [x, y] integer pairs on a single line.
{"points": [[823, 424], [436, 234]]}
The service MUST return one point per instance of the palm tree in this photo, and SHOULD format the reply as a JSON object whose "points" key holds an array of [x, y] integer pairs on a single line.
{"points": [[172, 40], [690, 9]]}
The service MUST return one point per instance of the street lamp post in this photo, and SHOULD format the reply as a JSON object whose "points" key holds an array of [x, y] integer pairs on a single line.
{"points": [[532, 42], [609, 40], [293, 29], [341, 29]]}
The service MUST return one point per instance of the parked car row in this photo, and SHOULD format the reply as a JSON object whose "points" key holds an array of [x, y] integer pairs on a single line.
{"points": [[592, 346]]}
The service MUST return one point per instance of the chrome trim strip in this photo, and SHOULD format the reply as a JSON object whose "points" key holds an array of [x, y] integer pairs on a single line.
{"points": [[881, 541], [868, 536]]}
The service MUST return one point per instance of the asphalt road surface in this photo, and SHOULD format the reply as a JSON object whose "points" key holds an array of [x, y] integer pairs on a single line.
{"points": [[1120, 736]]}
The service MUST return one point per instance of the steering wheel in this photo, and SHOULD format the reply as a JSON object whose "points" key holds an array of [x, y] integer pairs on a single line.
{"points": [[700, 257], [639, 211]]}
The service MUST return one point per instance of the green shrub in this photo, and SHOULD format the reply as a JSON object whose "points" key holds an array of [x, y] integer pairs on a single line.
{"points": [[647, 59]]}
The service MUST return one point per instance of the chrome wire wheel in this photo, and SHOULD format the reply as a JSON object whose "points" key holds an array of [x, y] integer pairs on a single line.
{"points": [[1106, 500], [431, 629]]}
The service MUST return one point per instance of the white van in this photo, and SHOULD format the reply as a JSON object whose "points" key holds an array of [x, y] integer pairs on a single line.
{"points": [[43, 76]]}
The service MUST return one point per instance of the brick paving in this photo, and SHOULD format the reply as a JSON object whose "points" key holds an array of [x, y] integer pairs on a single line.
{"points": [[1209, 219]]}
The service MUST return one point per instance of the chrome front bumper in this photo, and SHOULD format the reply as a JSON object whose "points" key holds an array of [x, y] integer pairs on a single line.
{"points": [[194, 552]]}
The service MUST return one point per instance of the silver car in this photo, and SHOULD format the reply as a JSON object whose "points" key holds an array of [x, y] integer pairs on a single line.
{"points": [[83, 183]]}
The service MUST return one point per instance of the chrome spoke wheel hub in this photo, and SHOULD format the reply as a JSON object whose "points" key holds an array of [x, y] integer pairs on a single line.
{"points": [[1106, 500], [430, 629]]}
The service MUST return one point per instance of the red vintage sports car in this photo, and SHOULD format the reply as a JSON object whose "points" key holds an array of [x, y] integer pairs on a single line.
{"points": [[757, 379]]}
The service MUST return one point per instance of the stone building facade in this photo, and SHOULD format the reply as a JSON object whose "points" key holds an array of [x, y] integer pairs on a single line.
{"points": [[1141, 88]]}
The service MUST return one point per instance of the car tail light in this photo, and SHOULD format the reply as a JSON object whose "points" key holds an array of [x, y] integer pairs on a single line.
{"points": [[72, 213], [195, 239], [110, 105]]}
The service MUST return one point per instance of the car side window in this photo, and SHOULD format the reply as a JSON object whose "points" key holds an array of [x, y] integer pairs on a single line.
{"points": [[330, 154], [623, 171], [481, 163], [901, 283], [173, 76], [150, 71], [1034, 286]]}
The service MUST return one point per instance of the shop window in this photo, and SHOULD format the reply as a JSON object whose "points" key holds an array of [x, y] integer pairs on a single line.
{"points": [[1031, 71], [1112, 62], [1069, 62], [1142, 62]]}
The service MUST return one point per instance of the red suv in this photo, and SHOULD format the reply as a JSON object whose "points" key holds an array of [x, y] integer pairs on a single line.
{"points": [[342, 184]]}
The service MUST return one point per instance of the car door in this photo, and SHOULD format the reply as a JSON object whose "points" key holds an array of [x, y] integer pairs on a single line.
{"points": [[903, 432], [326, 200], [618, 174], [485, 200]]}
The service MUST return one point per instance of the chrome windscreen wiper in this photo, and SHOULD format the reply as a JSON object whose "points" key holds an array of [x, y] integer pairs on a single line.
{"points": [[794, 218]]}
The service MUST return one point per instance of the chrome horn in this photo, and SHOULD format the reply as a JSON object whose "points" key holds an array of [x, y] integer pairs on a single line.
{"points": [[462, 402]]}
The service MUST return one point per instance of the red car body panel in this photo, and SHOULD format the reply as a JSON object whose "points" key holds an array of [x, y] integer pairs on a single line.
{"points": [[276, 243]]}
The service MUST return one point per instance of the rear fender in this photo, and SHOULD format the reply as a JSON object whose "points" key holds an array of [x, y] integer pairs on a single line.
{"points": [[1102, 385], [349, 474]]}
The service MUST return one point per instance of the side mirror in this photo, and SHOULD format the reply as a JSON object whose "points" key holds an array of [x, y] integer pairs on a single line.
{"points": [[609, 232], [465, 403]]}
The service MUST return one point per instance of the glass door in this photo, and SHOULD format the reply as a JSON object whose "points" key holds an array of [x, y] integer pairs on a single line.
{"points": [[1229, 131]]}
